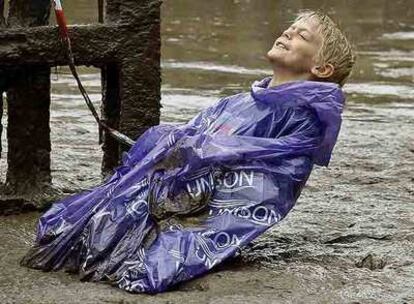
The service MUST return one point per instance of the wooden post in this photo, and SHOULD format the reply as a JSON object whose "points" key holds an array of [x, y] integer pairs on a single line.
{"points": [[112, 11], [2, 76], [110, 113], [2, 20], [1, 116], [28, 97], [100, 11], [140, 72], [132, 88], [127, 49]]}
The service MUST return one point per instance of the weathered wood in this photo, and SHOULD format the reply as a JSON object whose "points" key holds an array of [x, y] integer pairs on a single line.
{"points": [[140, 88], [126, 48], [100, 11], [2, 20], [110, 114], [131, 11], [138, 107], [1, 116], [28, 13], [28, 131], [92, 44], [28, 98], [2, 77], [138, 92], [113, 11]]}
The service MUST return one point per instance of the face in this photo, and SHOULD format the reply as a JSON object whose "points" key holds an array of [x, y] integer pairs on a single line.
{"points": [[296, 49]]}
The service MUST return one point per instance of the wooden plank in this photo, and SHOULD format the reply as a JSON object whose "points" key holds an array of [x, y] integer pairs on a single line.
{"points": [[92, 44]]}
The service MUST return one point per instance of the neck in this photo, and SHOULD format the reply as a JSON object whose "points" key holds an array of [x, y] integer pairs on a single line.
{"points": [[283, 76]]}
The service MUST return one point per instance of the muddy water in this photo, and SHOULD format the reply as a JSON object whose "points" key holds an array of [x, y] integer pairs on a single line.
{"points": [[350, 238]]}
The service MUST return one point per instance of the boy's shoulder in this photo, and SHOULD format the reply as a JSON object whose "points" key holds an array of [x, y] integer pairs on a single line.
{"points": [[234, 99]]}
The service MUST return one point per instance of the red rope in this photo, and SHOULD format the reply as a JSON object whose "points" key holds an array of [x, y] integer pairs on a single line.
{"points": [[64, 34]]}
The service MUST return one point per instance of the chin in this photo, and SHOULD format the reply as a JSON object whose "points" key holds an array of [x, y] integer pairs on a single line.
{"points": [[273, 56], [276, 57]]}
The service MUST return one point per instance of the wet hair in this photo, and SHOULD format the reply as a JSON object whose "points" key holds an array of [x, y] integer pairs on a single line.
{"points": [[336, 48]]}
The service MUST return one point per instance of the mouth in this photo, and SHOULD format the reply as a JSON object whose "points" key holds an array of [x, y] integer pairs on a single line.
{"points": [[281, 45]]}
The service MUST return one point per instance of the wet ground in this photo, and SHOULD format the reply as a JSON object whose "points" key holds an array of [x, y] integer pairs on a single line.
{"points": [[350, 238]]}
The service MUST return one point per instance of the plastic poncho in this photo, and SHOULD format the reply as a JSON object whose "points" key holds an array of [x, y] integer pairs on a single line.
{"points": [[188, 197]]}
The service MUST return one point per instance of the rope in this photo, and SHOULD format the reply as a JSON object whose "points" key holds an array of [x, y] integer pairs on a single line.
{"points": [[63, 30]]}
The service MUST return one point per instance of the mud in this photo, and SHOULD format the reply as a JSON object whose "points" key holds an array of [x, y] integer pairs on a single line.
{"points": [[349, 239]]}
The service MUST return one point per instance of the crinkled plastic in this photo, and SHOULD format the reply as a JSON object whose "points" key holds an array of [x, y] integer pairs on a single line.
{"points": [[188, 197]]}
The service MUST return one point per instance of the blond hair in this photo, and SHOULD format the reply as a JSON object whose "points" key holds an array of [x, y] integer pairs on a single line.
{"points": [[336, 48]]}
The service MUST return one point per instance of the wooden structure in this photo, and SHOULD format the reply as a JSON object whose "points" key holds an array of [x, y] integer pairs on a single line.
{"points": [[126, 47]]}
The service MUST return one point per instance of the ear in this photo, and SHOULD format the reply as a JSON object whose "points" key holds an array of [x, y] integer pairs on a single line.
{"points": [[323, 71]]}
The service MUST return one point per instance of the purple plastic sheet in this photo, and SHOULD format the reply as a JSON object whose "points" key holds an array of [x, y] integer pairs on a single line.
{"points": [[240, 166]]}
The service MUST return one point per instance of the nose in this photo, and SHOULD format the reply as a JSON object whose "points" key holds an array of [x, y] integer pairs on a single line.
{"points": [[287, 34]]}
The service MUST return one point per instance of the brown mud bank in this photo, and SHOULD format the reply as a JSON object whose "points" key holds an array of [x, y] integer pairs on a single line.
{"points": [[349, 239]]}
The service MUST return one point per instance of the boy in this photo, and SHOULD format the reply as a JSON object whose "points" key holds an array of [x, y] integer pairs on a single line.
{"points": [[237, 169], [312, 48]]}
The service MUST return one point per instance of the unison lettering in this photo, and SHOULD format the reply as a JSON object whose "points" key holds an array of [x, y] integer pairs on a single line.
{"points": [[237, 179], [259, 214]]}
